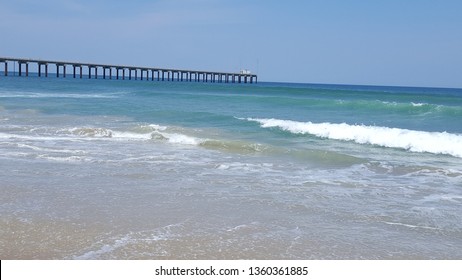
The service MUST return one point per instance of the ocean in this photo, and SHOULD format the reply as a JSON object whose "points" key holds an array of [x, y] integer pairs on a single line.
{"points": [[107, 169]]}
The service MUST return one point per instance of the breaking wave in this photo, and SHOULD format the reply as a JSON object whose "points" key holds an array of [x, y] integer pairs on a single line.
{"points": [[411, 140]]}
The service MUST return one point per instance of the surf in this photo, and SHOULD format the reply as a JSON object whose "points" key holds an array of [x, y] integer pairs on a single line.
{"points": [[410, 140]]}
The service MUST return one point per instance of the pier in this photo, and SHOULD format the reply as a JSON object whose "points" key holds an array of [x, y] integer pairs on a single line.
{"points": [[119, 72]]}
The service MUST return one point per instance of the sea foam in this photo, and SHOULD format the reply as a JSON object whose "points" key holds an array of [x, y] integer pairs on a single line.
{"points": [[411, 140]]}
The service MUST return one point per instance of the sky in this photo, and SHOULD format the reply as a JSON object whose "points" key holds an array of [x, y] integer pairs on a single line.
{"points": [[373, 42]]}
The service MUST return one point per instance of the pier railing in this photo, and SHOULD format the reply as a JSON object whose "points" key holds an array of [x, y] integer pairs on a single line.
{"points": [[125, 72]]}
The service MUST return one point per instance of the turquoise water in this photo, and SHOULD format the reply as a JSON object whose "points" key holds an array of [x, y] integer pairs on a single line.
{"points": [[100, 169]]}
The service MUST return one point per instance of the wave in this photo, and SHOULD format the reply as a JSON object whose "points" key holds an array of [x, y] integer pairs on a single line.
{"points": [[176, 138], [142, 133], [139, 133], [145, 132], [36, 142], [411, 140]]}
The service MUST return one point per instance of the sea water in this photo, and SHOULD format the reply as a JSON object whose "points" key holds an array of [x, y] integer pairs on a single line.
{"points": [[106, 169]]}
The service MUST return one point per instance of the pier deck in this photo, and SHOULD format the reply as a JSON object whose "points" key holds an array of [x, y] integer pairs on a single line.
{"points": [[120, 71]]}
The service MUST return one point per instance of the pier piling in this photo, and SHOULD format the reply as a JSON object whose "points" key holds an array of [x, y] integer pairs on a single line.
{"points": [[162, 74]]}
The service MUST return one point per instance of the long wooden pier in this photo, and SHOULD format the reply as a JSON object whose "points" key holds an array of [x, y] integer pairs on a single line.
{"points": [[117, 72]]}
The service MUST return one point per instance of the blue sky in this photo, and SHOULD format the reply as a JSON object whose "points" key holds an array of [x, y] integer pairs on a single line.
{"points": [[388, 42]]}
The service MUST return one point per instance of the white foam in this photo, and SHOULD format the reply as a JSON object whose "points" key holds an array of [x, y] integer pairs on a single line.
{"points": [[91, 132], [182, 139], [124, 135], [176, 138], [65, 159], [157, 132], [245, 167], [157, 127], [161, 133], [106, 247], [410, 226], [14, 137], [412, 140], [47, 149]]}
